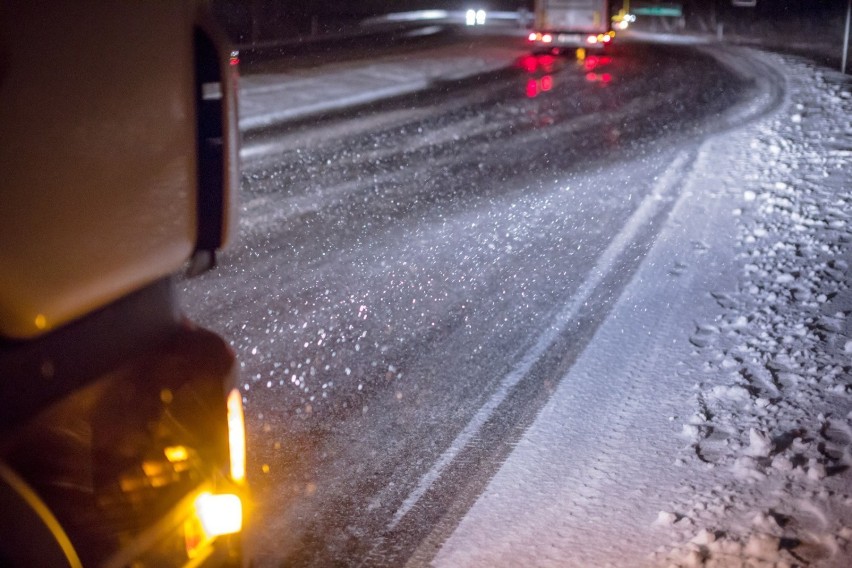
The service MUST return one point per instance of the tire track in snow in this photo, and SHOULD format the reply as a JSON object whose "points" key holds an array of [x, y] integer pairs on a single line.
{"points": [[564, 321]]}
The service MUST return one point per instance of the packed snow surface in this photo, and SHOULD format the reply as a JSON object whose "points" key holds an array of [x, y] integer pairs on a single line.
{"points": [[709, 423]]}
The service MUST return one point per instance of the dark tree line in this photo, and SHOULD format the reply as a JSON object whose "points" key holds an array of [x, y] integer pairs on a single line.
{"points": [[252, 21], [258, 21]]}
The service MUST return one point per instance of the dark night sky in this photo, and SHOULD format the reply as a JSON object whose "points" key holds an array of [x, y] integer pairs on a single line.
{"points": [[385, 6], [276, 19], [372, 7]]}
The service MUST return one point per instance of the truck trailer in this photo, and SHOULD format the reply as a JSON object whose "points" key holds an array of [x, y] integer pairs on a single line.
{"points": [[561, 24], [122, 435]]}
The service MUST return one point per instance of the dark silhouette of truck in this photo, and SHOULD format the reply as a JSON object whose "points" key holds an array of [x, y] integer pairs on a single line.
{"points": [[122, 438], [563, 24]]}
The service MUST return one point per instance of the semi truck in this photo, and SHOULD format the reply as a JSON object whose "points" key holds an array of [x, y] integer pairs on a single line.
{"points": [[122, 436], [561, 24]]}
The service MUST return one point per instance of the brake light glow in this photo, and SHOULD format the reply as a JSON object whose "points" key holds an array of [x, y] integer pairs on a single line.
{"points": [[538, 36], [237, 435]]}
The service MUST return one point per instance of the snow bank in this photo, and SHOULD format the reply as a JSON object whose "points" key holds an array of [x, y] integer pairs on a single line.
{"points": [[776, 361]]}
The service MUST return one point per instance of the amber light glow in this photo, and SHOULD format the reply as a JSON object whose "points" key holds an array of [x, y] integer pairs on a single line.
{"points": [[219, 514], [176, 454], [237, 436]]}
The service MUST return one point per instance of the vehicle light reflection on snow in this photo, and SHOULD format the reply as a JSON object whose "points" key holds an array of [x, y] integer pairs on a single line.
{"points": [[538, 86], [592, 64], [604, 78], [534, 63], [549, 65]]}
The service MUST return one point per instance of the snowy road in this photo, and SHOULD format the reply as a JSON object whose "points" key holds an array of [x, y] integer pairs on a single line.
{"points": [[432, 296]]}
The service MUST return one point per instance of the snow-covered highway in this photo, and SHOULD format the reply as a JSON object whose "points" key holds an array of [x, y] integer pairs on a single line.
{"points": [[502, 309]]}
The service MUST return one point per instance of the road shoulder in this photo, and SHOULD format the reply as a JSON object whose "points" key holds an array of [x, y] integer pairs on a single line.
{"points": [[708, 421]]}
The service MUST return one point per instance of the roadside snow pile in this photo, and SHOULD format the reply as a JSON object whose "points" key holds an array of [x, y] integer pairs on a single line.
{"points": [[772, 419]]}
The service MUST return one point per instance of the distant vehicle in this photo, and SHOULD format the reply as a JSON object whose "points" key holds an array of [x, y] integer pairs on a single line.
{"points": [[561, 24], [122, 437], [475, 17]]}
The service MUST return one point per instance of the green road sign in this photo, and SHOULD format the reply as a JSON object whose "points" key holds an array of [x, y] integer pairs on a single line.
{"points": [[671, 11]]}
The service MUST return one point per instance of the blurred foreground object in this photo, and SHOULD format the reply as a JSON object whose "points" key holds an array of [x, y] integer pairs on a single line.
{"points": [[123, 439]]}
